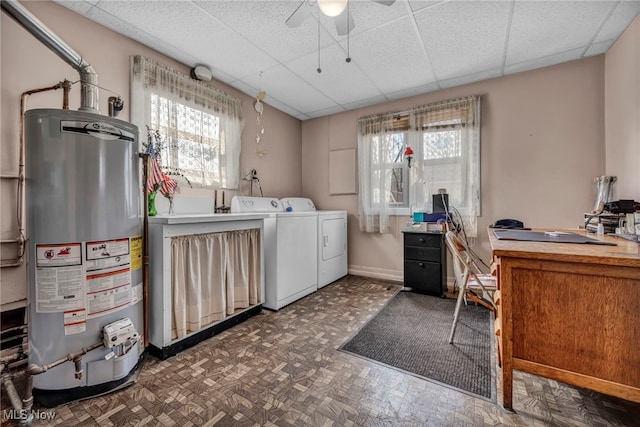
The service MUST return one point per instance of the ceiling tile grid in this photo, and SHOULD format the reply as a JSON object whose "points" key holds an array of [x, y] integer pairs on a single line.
{"points": [[408, 48], [621, 17], [541, 29], [464, 37], [393, 63], [340, 81]]}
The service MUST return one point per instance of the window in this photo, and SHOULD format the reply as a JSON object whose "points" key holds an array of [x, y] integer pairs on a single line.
{"points": [[198, 151], [390, 161], [445, 140], [201, 126]]}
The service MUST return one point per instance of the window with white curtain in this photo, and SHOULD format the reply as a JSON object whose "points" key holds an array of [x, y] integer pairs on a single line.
{"points": [[200, 125], [445, 139]]}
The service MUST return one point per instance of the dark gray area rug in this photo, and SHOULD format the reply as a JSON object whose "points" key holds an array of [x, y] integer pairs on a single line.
{"points": [[411, 333]]}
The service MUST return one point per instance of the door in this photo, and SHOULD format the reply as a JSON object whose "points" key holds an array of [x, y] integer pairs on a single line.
{"points": [[334, 236]]}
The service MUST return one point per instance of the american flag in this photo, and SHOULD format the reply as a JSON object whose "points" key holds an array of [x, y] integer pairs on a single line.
{"points": [[166, 185]]}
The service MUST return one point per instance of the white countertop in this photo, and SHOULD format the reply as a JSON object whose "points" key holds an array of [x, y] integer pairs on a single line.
{"points": [[199, 218]]}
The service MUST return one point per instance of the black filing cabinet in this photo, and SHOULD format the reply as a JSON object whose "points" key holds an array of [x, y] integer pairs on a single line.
{"points": [[425, 262]]}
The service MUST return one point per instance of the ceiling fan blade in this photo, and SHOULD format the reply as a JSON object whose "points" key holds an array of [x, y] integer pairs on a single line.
{"points": [[344, 23], [299, 15], [385, 2]]}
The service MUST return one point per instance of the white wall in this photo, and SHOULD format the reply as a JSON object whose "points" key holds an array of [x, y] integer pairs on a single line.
{"points": [[622, 113], [542, 144], [27, 64]]}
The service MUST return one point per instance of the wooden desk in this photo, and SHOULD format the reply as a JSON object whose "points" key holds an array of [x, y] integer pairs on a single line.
{"points": [[570, 312]]}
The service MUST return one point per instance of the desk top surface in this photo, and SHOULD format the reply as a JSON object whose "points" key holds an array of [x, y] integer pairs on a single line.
{"points": [[624, 253]]}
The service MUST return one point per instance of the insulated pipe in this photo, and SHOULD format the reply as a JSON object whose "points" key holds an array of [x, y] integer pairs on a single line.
{"points": [[16, 403], [88, 77], [11, 392]]}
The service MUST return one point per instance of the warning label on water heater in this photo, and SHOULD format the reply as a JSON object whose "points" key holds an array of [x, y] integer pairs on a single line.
{"points": [[75, 321], [94, 277], [59, 277], [108, 276]]}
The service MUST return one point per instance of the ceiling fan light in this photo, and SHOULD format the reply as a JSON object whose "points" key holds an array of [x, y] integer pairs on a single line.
{"points": [[332, 7]]}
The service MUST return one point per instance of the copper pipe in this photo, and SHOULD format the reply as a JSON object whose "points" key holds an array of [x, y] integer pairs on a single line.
{"points": [[20, 190], [65, 97]]}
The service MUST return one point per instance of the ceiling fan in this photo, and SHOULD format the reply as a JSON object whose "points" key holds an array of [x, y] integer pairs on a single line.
{"points": [[334, 8]]}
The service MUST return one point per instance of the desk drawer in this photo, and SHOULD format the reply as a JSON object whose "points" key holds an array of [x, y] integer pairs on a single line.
{"points": [[423, 239], [423, 276], [421, 253]]}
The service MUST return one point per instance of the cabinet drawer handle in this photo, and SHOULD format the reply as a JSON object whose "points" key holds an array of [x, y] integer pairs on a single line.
{"points": [[421, 240], [421, 264]]}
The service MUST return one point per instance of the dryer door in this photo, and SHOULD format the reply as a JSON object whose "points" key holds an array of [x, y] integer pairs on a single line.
{"points": [[334, 236]]}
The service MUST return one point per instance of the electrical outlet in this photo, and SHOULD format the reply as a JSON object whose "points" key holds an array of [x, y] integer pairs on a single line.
{"points": [[246, 176]]}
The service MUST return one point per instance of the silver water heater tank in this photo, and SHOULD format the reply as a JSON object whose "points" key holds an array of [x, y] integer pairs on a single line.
{"points": [[84, 251]]}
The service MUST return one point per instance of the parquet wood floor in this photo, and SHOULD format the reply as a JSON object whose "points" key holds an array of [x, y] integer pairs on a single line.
{"points": [[282, 369]]}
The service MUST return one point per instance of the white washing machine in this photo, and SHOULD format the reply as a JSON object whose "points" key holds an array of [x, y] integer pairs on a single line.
{"points": [[290, 250], [332, 239]]}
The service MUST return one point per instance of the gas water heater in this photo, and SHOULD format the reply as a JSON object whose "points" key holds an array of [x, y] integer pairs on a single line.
{"points": [[85, 226]]}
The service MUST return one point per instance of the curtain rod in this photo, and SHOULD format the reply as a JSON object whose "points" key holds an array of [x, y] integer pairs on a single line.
{"points": [[402, 114]]}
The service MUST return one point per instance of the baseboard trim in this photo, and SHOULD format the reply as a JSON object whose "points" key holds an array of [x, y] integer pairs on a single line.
{"points": [[376, 273], [393, 275]]}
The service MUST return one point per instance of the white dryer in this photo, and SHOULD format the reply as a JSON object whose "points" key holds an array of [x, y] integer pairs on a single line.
{"points": [[332, 239], [290, 250]]}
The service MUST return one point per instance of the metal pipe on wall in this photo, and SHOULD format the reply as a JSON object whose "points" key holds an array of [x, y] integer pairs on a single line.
{"points": [[20, 206], [88, 77]]}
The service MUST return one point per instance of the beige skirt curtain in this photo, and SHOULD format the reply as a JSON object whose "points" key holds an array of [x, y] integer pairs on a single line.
{"points": [[243, 270], [213, 275]]}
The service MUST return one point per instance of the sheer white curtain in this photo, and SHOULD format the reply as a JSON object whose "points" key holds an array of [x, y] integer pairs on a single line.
{"points": [[377, 160], [213, 275], [445, 138], [201, 124]]}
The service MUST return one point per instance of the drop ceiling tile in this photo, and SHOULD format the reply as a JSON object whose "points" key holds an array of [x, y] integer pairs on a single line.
{"points": [[365, 102], [221, 75], [621, 17], [244, 87], [252, 91], [460, 42], [541, 29], [325, 112], [544, 62], [118, 25], [390, 65], [598, 48], [277, 104], [279, 41], [218, 47], [464, 37], [417, 5], [368, 14], [270, 99], [286, 86], [340, 81], [80, 7], [431, 87], [471, 78]]}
